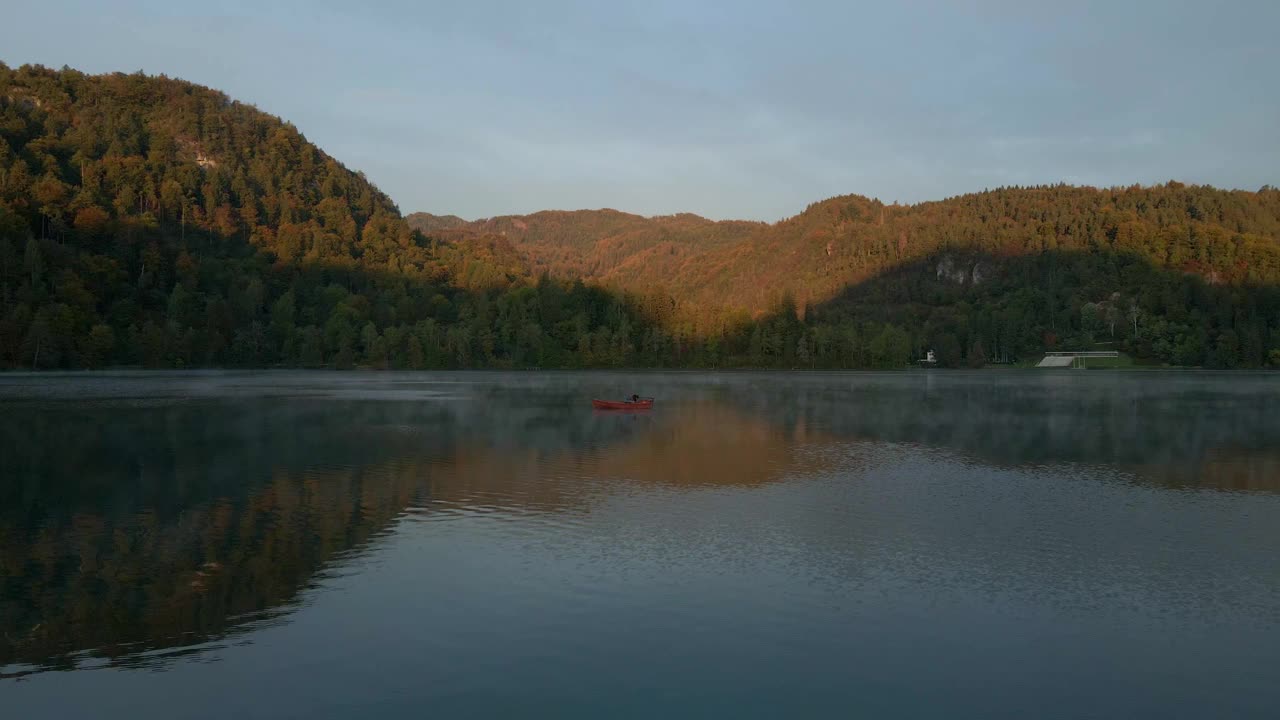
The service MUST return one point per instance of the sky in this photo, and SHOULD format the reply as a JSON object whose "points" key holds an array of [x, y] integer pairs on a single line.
{"points": [[742, 109]]}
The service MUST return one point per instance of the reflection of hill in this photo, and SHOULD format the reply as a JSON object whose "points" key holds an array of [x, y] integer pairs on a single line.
{"points": [[703, 444], [706, 444], [131, 525], [131, 529], [1169, 431], [124, 586], [134, 530], [1225, 468]]}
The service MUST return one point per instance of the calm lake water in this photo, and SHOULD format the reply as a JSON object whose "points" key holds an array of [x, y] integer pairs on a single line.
{"points": [[930, 544]]}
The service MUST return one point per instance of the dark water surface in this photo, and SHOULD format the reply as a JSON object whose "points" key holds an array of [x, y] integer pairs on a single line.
{"points": [[314, 545]]}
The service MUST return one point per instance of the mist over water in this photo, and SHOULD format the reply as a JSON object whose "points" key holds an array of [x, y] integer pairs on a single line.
{"points": [[323, 544]]}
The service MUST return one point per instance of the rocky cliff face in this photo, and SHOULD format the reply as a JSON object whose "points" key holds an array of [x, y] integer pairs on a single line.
{"points": [[961, 271]]}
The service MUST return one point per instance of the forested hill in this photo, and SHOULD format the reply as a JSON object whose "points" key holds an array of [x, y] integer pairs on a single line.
{"points": [[1223, 236], [150, 221], [1002, 274], [627, 251], [428, 223]]}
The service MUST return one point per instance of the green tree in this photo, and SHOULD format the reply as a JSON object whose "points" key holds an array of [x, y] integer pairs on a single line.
{"points": [[802, 351], [33, 262], [977, 355], [97, 346]]}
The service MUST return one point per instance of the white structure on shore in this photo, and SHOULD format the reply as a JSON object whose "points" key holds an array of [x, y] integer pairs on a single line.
{"points": [[1074, 359]]}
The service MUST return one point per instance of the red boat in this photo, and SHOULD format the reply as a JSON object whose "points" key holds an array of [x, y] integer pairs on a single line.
{"points": [[641, 404]]}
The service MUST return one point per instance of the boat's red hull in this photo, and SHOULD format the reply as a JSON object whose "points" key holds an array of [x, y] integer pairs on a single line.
{"points": [[616, 405]]}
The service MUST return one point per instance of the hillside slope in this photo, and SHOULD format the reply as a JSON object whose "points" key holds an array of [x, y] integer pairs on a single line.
{"points": [[1224, 236], [146, 220], [1173, 273], [626, 251], [428, 223], [150, 221]]}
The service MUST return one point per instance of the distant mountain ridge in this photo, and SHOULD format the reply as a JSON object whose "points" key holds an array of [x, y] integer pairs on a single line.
{"points": [[1224, 236], [428, 223], [626, 250]]}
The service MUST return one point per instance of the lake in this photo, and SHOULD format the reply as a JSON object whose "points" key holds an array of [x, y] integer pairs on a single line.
{"points": [[919, 544]]}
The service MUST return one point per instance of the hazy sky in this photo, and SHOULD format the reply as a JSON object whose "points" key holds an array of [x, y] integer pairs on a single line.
{"points": [[729, 109]]}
